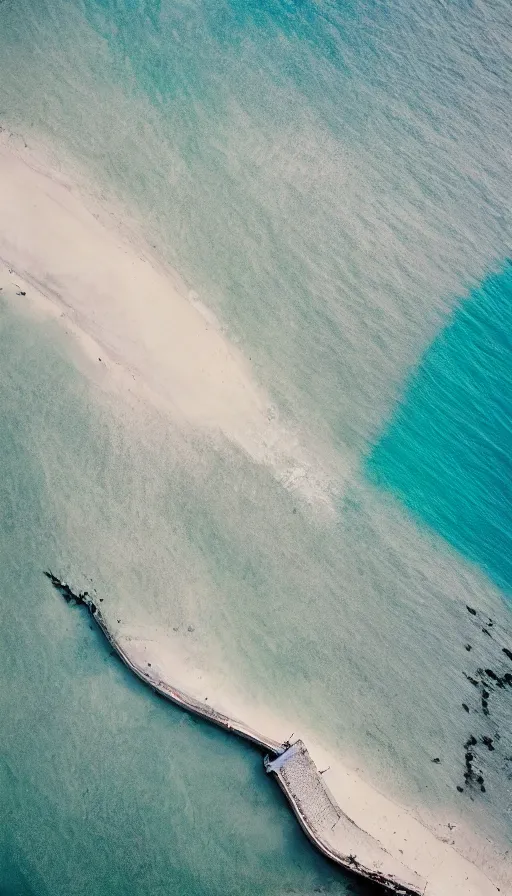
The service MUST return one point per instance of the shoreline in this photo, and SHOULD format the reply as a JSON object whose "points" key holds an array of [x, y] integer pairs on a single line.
{"points": [[25, 250], [160, 687], [440, 869], [388, 879]]}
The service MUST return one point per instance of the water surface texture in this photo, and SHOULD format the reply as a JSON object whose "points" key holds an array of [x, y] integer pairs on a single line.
{"points": [[331, 182], [448, 450]]}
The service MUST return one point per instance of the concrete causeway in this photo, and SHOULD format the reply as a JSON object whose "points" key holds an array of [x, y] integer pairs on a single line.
{"points": [[315, 808], [333, 832]]}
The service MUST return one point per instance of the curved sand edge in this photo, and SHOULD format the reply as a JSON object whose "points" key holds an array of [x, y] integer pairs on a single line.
{"points": [[376, 864], [438, 869]]}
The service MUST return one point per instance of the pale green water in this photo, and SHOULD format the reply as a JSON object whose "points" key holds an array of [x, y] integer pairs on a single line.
{"points": [[324, 180]]}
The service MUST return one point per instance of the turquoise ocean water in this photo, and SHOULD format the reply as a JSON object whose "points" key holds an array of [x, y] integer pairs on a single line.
{"points": [[447, 452], [333, 180]]}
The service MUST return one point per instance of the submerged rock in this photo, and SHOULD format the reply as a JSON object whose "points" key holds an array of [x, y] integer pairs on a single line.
{"points": [[471, 680], [70, 596]]}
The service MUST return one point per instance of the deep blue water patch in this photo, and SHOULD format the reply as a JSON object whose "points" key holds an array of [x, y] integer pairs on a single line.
{"points": [[447, 452]]}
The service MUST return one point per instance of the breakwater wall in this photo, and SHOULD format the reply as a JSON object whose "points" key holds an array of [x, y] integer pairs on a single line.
{"points": [[327, 826], [163, 688], [322, 820]]}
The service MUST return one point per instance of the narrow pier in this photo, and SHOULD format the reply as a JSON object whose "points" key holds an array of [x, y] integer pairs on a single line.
{"points": [[327, 826], [316, 810]]}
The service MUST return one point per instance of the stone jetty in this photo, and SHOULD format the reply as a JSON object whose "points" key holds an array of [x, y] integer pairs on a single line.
{"points": [[320, 817]]}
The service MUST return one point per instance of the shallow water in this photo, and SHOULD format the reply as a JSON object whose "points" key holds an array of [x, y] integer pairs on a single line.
{"points": [[105, 788], [330, 181]]}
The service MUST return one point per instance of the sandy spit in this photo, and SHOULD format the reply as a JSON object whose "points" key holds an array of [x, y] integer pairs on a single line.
{"points": [[126, 308]]}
